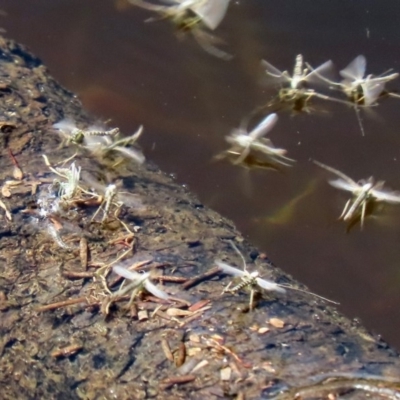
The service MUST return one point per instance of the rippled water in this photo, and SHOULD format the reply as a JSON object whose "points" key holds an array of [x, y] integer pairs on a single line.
{"points": [[137, 73]]}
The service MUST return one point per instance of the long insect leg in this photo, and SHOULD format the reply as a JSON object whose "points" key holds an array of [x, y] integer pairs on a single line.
{"points": [[251, 304], [363, 210], [243, 155], [98, 210], [357, 110], [342, 215]]}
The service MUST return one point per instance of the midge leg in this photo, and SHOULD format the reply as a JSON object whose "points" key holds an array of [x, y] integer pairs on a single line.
{"points": [[346, 207]]}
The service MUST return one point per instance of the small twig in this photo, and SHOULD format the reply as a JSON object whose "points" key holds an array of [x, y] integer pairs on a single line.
{"points": [[198, 279], [66, 351], [77, 274], [177, 380], [17, 173], [168, 278], [64, 303]]}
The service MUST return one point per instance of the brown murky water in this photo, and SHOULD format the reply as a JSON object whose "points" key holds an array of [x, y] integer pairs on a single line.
{"points": [[137, 73]]}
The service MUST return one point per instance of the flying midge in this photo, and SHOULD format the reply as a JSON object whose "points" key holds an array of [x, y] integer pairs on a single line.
{"points": [[243, 142], [360, 88], [194, 16], [295, 89], [365, 191]]}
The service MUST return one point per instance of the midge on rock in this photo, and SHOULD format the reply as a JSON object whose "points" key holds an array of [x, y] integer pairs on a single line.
{"points": [[252, 280]]}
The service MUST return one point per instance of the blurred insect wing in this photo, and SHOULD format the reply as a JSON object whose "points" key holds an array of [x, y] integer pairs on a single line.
{"points": [[372, 90], [131, 275], [227, 269], [271, 71], [155, 291], [211, 12], [356, 69], [388, 196], [268, 285], [344, 185], [321, 73], [67, 125], [264, 126], [135, 155]]}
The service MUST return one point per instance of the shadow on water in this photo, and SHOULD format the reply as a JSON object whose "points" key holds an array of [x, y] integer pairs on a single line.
{"points": [[138, 73]]}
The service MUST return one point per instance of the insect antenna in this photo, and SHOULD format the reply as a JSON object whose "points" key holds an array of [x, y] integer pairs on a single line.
{"points": [[240, 254], [308, 292]]}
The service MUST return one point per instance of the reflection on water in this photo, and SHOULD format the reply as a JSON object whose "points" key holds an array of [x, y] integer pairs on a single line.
{"points": [[187, 100]]}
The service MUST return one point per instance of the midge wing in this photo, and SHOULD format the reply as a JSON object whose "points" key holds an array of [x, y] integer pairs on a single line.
{"points": [[269, 285], [344, 185], [212, 12], [372, 90], [135, 155], [271, 71], [141, 279], [386, 195], [131, 275], [155, 291], [66, 126], [321, 73], [356, 69], [264, 126], [227, 269]]}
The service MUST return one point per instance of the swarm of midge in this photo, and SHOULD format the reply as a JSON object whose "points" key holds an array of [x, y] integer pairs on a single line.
{"points": [[364, 192], [245, 143], [101, 142], [194, 16]]}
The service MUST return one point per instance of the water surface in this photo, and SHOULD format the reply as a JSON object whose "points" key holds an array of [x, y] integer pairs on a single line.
{"points": [[137, 73]]}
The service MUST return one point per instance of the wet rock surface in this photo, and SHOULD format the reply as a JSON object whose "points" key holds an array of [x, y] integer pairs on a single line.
{"points": [[65, 334]]}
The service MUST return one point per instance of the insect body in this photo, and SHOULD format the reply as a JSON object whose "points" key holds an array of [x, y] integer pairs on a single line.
{"points": [[362, 89], [295, 89], [364, 192], [244, 142], [73, 134]]}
